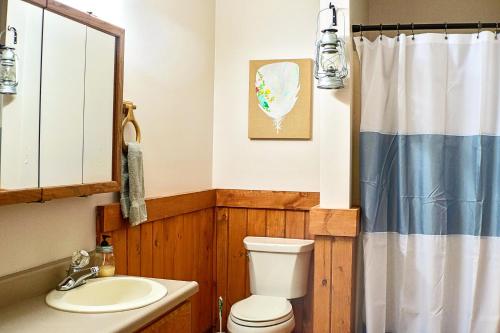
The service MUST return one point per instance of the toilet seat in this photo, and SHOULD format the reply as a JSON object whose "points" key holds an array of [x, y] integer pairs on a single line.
{"points": [[261, 311], [286, 327], [261, 323]]}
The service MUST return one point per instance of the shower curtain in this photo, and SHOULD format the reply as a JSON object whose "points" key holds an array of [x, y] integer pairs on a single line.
{"points": [[430, 183]]}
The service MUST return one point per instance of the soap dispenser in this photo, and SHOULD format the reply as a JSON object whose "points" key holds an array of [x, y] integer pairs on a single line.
{"points": [[104, 258]]}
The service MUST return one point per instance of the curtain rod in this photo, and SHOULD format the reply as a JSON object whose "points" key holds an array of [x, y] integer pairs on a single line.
{"points": [[424, 26]]}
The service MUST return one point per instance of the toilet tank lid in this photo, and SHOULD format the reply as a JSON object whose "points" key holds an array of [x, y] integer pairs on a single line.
{"points": [[278, 245]]}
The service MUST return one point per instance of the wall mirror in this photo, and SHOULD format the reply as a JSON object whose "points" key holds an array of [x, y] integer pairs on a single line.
{"points": [[60, 123]]}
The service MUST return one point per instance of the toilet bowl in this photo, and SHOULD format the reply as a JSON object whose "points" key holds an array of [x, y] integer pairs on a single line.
{"points": [[278, 269]]}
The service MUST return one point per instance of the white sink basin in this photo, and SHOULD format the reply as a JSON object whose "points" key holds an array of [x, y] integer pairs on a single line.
{"points": [[110, 294]]}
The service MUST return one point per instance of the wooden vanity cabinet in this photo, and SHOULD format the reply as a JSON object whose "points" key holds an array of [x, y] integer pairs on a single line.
{"points": [[177, 320]]}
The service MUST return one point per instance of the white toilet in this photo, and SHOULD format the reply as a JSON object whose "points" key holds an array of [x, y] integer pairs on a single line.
{"points": [[279, 270]]}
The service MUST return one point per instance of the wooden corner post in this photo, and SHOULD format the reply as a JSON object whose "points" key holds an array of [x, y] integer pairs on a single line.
{"points": [[335, 232]]}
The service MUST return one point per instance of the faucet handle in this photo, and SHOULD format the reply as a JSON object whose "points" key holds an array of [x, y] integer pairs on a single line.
{"points": [[80, 259]]}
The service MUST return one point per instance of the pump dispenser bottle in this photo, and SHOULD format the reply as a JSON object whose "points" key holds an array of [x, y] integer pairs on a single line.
{"points": [[104, 258]]}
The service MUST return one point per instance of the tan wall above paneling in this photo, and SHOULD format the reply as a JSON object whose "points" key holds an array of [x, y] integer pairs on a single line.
{"points": [[261, 33], [428, 11]]}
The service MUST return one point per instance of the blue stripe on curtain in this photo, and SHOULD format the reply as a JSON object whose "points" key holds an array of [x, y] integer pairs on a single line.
{"points": [[430, 184]]}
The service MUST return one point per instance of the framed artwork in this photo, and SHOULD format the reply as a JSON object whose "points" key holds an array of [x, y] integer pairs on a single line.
{"points": [[280, 99]]}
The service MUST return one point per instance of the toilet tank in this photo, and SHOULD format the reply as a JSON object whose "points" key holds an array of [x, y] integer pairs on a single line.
{"points": [[278, 266]]}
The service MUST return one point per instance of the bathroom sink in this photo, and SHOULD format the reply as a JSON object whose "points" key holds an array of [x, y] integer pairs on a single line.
{"points": [[109, 294]]}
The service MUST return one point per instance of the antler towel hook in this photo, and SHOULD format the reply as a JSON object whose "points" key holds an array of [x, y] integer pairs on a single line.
{"points": [[128, 111]]}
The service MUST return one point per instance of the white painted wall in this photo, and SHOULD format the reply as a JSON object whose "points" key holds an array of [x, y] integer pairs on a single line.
{"points": [[251, 30], [169, 55], [335, 110]]}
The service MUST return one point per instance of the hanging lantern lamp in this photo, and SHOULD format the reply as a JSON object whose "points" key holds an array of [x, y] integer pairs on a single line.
{"points": [[330, 67], [8, 67]]}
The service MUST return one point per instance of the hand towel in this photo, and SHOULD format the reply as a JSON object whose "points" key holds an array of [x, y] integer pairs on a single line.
{"points": [[132, 200]]}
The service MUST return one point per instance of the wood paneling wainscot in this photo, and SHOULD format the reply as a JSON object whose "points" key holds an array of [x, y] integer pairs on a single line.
{"points": [[199, 236], [177, 242], [242, 213]]}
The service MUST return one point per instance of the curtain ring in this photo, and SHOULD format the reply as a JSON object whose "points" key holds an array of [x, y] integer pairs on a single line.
{"points": [[398, 33], [380, 31], [479, 26], [445, 30], [361, 31], [412, 31]]}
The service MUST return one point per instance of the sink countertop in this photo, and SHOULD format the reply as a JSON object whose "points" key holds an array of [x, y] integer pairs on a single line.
{"points": [[34, 315]]}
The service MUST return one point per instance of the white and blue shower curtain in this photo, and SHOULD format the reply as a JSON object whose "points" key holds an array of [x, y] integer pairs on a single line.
{"points": [[430, 183]]}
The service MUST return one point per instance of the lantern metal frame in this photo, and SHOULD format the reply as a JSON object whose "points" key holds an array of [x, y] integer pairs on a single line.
{"points": [[328, 45], [11, 60]]}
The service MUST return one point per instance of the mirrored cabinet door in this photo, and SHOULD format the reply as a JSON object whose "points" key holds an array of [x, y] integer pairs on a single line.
{"points": [[20, 112], [99, 97], [62, 101]]}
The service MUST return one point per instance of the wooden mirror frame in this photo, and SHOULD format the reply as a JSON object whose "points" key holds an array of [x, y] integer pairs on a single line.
{"points": [[43, 194]]}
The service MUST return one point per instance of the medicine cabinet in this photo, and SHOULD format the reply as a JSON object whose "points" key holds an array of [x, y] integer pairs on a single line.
{"points": [[60, 133]]}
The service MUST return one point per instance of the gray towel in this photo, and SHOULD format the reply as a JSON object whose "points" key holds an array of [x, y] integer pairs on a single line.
{"points": [[132, 188]]}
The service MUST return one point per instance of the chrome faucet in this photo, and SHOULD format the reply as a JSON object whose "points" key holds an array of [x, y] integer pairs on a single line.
{"points": [[77, 273], [77, 278]]}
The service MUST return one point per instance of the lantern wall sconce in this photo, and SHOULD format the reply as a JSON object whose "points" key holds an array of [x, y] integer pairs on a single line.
{"points": [[8, 66], [330, 68]]}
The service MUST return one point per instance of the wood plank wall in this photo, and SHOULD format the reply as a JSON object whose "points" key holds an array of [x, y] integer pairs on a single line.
{"points": [[177, 242], [284, 214], [234, 224], [199, 236]]}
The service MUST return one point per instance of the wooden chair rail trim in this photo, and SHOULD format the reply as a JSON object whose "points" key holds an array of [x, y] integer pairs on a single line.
{"points": [[334, 222], [266, 199], [109, 217]]}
